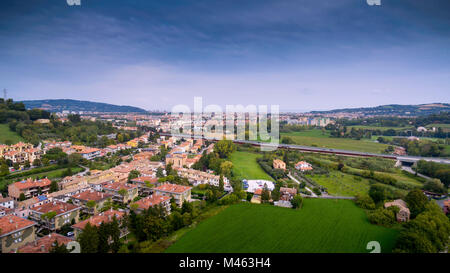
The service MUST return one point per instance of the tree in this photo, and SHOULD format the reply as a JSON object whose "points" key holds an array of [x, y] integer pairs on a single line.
{"points": [[159, 172], [22, 197], [297, 201], [89, 239], [54, 186], [382, 217], [435, 185], [377, 192], [224, 148], [58, 248], [416, 201], [364, 202], [221, 184], [225, 168], [37, 162], [133, 174], [265, 194]]}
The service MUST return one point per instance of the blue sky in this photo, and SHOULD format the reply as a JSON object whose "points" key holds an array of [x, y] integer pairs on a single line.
{"points": [[302, 55]]}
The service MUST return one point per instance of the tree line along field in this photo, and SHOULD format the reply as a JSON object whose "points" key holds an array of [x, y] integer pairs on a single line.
{"points": [[316, 138], [320, 226], [6, 135]]}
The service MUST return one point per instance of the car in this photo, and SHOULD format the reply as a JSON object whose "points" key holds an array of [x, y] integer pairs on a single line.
{"points": [[70, 234]]}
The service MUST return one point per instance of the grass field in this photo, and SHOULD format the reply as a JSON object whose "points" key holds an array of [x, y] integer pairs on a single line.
{"points": [[246, 167], [382, 128], [316, 138], [321, 226], [7, 134], [342, 184]]}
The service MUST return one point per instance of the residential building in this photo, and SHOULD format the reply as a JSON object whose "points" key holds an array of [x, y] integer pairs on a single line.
{"points": [[279, 164], [253, 185], [176, 159], [29, 188], [97, 220], [404, 213], [122, 192], [145, 184], [90, 153], [178, 192], [153, 200], [64, 213], [91, 201], [197, 177], [303, 166], [45, 244], [15, 232], [6, 202], [286, 194]]}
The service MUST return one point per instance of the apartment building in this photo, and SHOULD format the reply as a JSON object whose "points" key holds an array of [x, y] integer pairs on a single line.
{"points": [[45, 244], [97, 220], [178, 192], [153, 200], [91, 201], [15, 232], [29, 188], [63, 213], [121, 192]]}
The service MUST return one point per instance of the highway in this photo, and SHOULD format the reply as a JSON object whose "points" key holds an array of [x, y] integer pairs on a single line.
{"points": [[409, 159]]}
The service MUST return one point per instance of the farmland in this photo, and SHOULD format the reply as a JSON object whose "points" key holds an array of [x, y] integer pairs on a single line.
{"points": [[246, 167], [7, 136], [322, 225], [316, 138], [341, 184]]}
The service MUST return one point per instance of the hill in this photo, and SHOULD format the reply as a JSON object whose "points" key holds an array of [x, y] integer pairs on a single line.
{"points": [[60, 105], [394, 110]]}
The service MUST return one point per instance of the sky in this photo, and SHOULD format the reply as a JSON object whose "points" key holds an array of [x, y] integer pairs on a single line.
{"points": [[302, 55]]}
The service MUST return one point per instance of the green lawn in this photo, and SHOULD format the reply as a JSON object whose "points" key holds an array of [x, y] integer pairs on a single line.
{"points": [[382, 128], [7, 135], [342, 184], [321, 226], [316, 138], [246, 167]]}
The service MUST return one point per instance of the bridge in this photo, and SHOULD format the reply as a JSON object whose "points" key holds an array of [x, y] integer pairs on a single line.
{"points": [[405, 160]]}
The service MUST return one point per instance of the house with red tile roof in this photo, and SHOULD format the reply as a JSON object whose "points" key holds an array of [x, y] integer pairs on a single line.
{"points": [[178, 192], [15, 232], [91, 201], [59, 214], [29, 188], [97, 220], [122, 192], [45, 244], [303, 166], [151, 201]]}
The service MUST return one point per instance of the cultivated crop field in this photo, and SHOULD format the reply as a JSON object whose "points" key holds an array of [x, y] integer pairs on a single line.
{"points": [[321, 226], [341, 184], [315, 138], [246, 167]]}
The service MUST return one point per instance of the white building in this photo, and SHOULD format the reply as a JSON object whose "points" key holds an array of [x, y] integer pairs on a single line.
{"points": [[252, 185]]}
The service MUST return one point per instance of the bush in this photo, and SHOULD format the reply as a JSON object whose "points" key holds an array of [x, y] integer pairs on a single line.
{"points": [[365, 202], [382, 217]]}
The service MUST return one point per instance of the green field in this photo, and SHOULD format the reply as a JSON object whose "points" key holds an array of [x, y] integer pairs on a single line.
{"points": [[7, 135], [246, 167], [321, 226], [316, 138], [342, 184], [382, 128]]}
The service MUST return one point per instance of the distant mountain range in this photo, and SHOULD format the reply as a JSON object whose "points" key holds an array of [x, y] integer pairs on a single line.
{"points": [[394, 110], [78, 105]]}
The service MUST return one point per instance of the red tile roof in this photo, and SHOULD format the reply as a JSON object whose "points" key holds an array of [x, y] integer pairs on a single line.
{"points": [[29, 183], [92, 195], [116, 186], [144, 179], [12, 223], [151, 201], [97, 220], [44, 244], [56, 206], [173, 188]]}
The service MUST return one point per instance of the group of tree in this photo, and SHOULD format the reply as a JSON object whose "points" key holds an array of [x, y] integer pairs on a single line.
{"points": [[102, 239], [436, 170]]}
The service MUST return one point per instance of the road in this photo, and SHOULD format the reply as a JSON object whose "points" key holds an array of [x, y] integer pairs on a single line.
{"points": [[410, 159], [408, 169], [298, 182]]}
